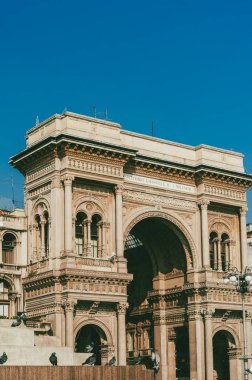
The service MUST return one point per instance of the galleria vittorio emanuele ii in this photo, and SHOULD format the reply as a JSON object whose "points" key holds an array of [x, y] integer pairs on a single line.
{"points": [[126, 245]]}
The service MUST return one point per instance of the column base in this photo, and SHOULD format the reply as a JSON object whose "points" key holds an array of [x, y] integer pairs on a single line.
{"points": [[121, 264]]}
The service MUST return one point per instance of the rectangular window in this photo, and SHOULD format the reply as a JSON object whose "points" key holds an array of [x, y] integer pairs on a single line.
{"points": [[79, 245], [94, 246], [4, 310]]}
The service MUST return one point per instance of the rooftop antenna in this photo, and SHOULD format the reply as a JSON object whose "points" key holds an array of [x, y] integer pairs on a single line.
{"points": [[37, 120], [12, 190], [94, 111], [106, 113], [103, 114], [152, 128]]}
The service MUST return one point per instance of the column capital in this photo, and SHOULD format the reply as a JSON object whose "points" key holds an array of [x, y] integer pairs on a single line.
{"points": [[243, 210], [203, 203], [118, 189], [122, 307], [248, 315], [171, 334], [207, 313], [67, 179], [69, 305], [194, 315]]}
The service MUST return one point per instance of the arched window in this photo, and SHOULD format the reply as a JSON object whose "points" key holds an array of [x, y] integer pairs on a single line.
{"points": [[213, 250], [80, 231], [40, 233], [8, 248], [4, 299], [95, 236]]}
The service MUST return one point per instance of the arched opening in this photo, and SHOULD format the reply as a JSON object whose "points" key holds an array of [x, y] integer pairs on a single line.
{"points": [[222, 341], [157, 259], [91, 334], [8, 248]]}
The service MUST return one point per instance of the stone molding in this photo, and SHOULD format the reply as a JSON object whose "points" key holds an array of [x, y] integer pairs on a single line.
{"points": [[138, 196], [95, 167], [45, 188], [40, 172], [224, 192]]}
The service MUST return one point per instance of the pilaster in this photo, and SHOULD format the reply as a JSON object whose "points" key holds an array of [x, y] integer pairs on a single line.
{"points": [[121, 332]]}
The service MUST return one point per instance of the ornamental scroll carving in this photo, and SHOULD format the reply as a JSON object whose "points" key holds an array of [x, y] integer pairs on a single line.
{"points": [[138, 196]]}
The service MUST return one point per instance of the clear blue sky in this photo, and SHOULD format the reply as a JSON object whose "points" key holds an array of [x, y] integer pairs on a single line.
{"points": [[186, 64]]}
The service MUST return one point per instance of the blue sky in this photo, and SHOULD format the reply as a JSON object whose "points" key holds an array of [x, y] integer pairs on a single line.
{"points": [[184, 64]]}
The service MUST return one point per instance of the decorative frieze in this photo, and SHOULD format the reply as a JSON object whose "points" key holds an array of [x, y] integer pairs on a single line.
{"points": [[224, 192], [95, 167], [141, 197], [40, 172], [39, 190]]}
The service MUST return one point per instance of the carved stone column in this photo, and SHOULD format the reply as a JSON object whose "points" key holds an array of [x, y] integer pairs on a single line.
{"points": [[195, 327], [215, 243], [161, 342], [85, 237], [100, 227], [58, 320], [89, 248], [234, 363], [208, 313], [104, 238], [69, 306], [121, 333], [204, 233], [219, 256], [243, 234], [68, 212], [42, 238], [171, 354]]}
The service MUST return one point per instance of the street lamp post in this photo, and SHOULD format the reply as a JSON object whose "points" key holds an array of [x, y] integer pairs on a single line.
{"points": [[242, 281]]}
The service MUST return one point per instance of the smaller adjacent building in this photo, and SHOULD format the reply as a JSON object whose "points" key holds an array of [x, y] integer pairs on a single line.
{"points": [[249, 240], [13, 260]]}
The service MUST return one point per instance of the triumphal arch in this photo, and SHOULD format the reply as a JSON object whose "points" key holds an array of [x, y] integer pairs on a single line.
{"points": [[129, 237]]}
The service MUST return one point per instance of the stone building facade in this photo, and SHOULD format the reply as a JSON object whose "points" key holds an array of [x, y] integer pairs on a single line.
{"points": [[128, 240]]}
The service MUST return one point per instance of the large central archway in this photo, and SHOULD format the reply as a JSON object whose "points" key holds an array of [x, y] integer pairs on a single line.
{"points": [[158, 256]]}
